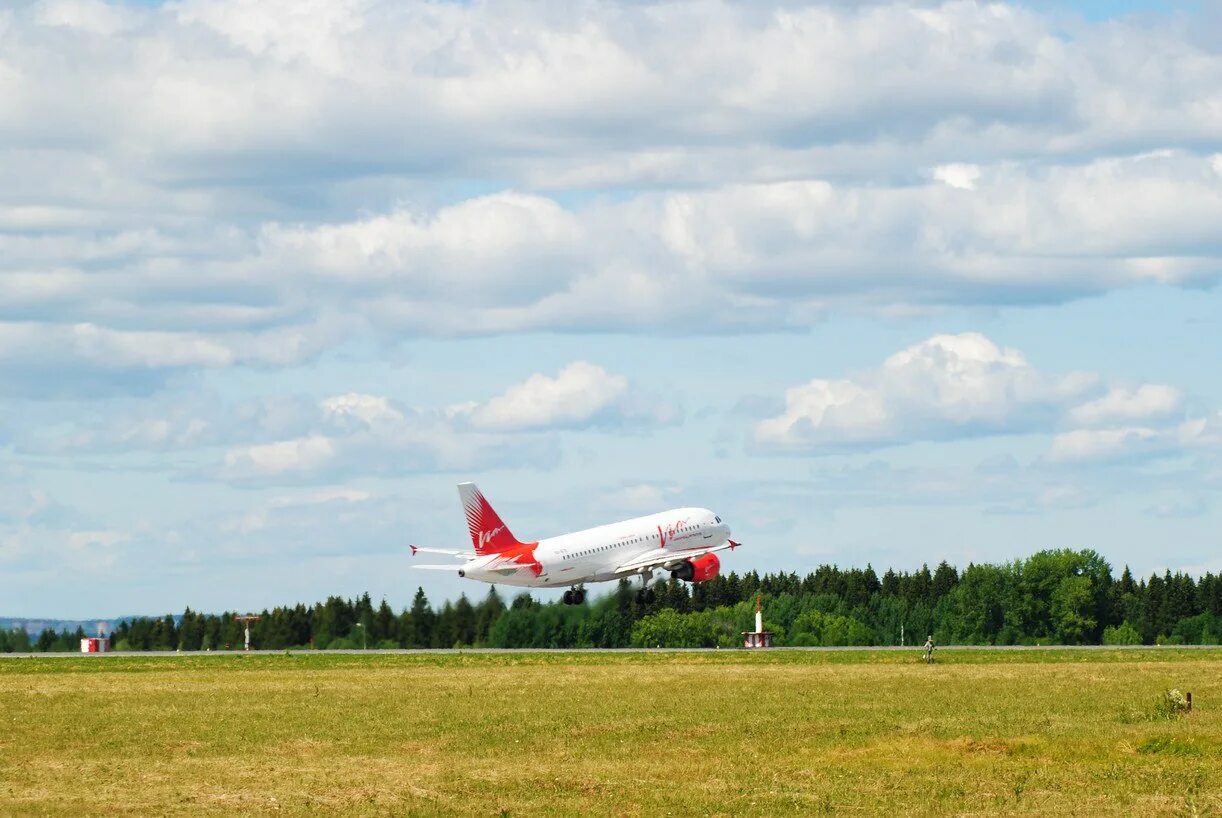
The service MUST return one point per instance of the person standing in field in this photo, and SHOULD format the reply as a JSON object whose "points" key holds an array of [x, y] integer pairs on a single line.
{"points": [[929, 649]]}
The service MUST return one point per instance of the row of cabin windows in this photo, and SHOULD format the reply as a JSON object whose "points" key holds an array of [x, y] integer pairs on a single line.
{"points": [[630, 541]]}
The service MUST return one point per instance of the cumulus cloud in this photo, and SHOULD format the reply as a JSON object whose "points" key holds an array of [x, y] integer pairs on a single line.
{"points": [[417, 442], [300, 438], [266, 182], [301, 455], [955, 386], [724, 259], [957, 175], [740, 257], [498, 87], [1105, 444], [948, 385], [580, 394], [365, 409], [177, 421], [1136, 424], [1123, 404], [357, 433]]}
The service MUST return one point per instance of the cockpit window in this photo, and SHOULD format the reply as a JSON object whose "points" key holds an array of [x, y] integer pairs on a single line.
{"points": [[718, 519]]}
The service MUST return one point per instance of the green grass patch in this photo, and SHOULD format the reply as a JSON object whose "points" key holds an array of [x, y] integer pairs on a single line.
{"points": [[729, 732]]}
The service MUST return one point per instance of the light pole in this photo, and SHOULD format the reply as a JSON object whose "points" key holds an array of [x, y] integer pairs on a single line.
{"points": [[361, 625]]}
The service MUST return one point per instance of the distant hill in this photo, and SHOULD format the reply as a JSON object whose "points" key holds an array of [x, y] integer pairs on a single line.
{"points": [[36, 626]]}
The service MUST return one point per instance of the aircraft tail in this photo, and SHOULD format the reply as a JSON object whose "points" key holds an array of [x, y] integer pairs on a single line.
{"points": [[489, 534]]}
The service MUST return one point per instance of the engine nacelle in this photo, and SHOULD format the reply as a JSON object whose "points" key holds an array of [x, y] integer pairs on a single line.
{"points": [[699, 569]]}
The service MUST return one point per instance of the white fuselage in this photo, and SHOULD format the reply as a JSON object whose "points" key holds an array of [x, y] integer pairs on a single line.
{"points": [[599, 554]]}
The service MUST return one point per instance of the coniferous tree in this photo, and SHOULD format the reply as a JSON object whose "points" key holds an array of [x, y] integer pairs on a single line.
{"points": [[383, 627], [464, 621], [422, 621], [489, 611]]}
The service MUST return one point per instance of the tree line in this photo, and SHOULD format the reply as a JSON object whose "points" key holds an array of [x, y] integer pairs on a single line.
{"points": [[1052, 597]]}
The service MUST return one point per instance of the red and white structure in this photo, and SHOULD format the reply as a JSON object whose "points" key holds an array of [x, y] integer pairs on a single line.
{"points": [[758, 638], [96, 644]]}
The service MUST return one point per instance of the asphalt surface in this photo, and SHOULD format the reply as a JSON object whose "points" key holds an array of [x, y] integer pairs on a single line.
{"points": [[458, 651]]}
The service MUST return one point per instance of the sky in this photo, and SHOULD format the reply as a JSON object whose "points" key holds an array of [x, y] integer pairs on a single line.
{"points": [[879, 283]]}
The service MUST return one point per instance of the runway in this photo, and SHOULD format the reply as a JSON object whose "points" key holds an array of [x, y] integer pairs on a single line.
{"points": [[461, 651]]}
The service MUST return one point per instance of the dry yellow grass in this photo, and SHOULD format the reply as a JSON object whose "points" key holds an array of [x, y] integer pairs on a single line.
{"points": [[623, 734]]}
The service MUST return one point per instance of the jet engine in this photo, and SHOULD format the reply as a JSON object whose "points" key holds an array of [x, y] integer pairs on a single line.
{"points": [[698, 569]]}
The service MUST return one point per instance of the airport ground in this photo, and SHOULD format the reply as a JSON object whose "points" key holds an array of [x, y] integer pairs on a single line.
{"points": [[621, 733]]}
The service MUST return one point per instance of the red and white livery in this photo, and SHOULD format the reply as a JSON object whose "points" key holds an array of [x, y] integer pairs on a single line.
{"points": [[681, 543]]}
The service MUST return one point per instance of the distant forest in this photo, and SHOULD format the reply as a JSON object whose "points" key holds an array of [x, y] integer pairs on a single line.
{"points": [[1053, 597]]}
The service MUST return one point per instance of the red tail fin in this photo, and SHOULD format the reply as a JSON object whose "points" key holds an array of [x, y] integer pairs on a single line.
{"points": [[489, 534]]}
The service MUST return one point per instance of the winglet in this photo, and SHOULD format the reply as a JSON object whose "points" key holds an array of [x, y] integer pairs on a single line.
{"points": [[733, 544], [414, 549]]}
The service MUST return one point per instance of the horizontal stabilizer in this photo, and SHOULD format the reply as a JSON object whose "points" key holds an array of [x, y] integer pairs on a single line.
{"points": [[419, 550], [454, 568]]}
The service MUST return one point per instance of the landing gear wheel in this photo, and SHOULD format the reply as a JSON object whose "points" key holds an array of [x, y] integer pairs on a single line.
{"points": [[579, 596], [568, 597], [646, 596]]}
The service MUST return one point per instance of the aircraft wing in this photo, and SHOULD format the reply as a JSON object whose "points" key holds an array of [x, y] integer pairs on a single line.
{"points": [[464, 554], [661, 558]]}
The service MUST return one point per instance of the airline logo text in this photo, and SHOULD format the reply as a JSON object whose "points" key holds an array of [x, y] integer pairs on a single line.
{"points": [[667, 534], [485, 537]]}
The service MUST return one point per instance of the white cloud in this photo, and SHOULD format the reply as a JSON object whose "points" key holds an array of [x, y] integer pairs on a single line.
{"points": [[88, 542], [955, 386], [502, 87], [461, 252], [1102, 444], [642, 497], [948, 385], [1135, 423], [1201, 432], [264, 182], [110, 349], [371, 435], [368, 409], [176, 421], [356, 433], [579, 394], [957, 175], [92, 16], [1126, 405], [301, 455]]}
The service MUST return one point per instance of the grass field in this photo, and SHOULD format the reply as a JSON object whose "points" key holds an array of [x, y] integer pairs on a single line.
{"points": [[624, 734]]}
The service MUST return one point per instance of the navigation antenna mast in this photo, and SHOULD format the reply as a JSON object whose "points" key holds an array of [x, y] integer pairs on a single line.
{"points": [[246, 619]]}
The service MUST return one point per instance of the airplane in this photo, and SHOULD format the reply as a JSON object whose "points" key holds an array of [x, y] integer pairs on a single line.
{"points": [[682, 541]]}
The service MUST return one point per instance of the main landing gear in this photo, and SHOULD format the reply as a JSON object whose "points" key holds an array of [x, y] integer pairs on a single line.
{"points": [[646, 596], [575, 596]]}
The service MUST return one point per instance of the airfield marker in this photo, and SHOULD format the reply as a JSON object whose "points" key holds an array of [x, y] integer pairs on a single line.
{"points": [[246, 620], [759, 638]]}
